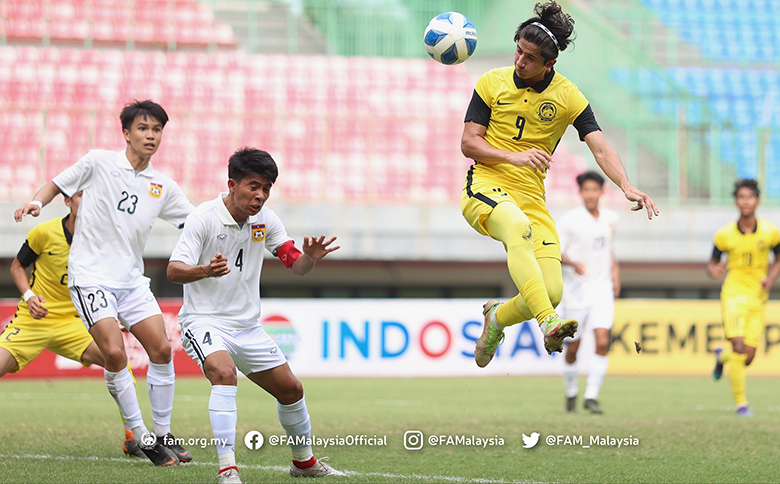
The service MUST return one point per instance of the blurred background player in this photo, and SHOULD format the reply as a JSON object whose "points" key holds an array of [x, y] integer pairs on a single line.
{"points": [[515, 120], [591, 282], [45, 317], [747, 244], [123, 196], [219, 256]]}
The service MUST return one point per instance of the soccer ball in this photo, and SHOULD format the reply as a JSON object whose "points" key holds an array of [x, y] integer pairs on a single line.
{"points": [[450, 38]]}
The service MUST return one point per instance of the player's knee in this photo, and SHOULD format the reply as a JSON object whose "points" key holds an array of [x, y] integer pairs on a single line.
{"points": [[222, 376], [571, 357], [161, 353], [291, 392], [115, 358]]}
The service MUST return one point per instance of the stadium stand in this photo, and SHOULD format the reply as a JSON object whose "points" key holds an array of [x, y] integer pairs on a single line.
{"points": [[145, 23]]}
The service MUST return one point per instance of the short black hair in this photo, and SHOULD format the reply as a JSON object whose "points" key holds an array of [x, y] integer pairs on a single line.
{"points": [[246, 161], [559, 23], [590, 175], [136, 108], [747, 183]]}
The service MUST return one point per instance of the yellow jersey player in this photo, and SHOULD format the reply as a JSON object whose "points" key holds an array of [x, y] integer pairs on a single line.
{"points": [[747, 244], [514, 122], [45, 317]]}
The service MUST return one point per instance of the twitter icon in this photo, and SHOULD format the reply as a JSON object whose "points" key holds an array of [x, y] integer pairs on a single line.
{"points": [[530, 441]]}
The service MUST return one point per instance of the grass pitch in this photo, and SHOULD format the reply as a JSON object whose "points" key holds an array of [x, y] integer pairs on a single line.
{"points": [[69, 431]]}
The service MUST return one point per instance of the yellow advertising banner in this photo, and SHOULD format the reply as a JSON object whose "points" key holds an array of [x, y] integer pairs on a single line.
{"points": [[678, 337]]}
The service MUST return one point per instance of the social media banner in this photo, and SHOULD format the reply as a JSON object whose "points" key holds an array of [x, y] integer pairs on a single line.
{"points": [[436, 337]]}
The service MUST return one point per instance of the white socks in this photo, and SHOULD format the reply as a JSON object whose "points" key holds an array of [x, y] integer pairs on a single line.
{"points": [[224, 416], [120, 386], [160, 380], [597, 368], [295, 421], [570, 378]]}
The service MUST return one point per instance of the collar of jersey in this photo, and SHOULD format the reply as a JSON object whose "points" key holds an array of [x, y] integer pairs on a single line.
{"points": [[224, 213], [755, 229], [124, 163], [539, 86]]}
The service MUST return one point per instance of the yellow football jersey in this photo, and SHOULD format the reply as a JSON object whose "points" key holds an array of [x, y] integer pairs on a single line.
{"points": [[748, 259], [51, 243], [522, 118]]}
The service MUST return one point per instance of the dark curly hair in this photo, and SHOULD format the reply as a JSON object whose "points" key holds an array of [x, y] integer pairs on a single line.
{"points": [[747, 183], [559, 23]]}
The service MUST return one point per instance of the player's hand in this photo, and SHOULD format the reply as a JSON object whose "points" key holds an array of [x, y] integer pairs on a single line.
{"points": [[719, 270], [317, 248], [579, 268], [766, 284], [37, 309], [642, 201], [27, 208], [218, 266], [537, 159]]}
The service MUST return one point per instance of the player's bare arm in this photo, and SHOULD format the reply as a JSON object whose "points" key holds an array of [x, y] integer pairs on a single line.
{"points": [[180, 273], [35, 302], [772, 274], [716, 269], [579, 267], [474, 146], [314, 249], [45, 195], [609, 161]]}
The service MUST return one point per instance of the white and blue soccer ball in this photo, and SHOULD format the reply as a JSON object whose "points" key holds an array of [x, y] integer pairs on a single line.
{"points": [[450, 38]]}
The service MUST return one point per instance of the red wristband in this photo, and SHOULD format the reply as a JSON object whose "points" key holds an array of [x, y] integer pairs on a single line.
{"points": [[287, 253]]}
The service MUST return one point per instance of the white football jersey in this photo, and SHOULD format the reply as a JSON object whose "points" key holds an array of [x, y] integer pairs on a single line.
{"points": [[115, 217], [587, 240], [233, 300]]}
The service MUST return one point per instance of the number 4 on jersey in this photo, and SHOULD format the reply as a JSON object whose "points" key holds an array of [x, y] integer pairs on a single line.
{"points": [[240, 260]]}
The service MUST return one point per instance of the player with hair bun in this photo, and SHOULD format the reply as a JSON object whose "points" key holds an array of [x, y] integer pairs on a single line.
{"points": [[514, 122]]}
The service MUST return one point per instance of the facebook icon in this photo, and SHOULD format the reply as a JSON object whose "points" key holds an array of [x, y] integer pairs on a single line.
{"points": [[253, 440]]}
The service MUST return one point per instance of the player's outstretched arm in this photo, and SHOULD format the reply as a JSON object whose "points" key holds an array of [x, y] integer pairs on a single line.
{"points": [[609, 161], [34, 301], [45, 195], [314, 249], [181, 273]]}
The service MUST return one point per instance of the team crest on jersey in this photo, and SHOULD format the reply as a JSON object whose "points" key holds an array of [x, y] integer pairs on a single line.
{"points": [[155, 190], [258, 232], [547, 111]]}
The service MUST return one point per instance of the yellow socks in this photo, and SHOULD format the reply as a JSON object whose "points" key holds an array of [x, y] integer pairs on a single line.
{"points": [[511, 226], [737, 376]]}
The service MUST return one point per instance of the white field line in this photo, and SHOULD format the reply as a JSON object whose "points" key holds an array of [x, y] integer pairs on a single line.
{"points": [[395, 477]]}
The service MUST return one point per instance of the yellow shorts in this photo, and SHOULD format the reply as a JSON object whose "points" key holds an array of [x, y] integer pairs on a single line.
{"points": [[743, 318], [25, 337], [479, 197]]}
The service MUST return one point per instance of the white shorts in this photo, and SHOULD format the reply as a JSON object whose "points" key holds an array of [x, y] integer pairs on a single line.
{"points": [[600, 315], [252, 349], [130, 306]]}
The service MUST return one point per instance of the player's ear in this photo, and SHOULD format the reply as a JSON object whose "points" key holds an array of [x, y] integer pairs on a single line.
{"points": [[550, 63], [232, 184]]}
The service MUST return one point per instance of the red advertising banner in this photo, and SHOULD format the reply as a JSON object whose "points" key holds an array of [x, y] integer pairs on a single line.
{"points": [[50, 365]]}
